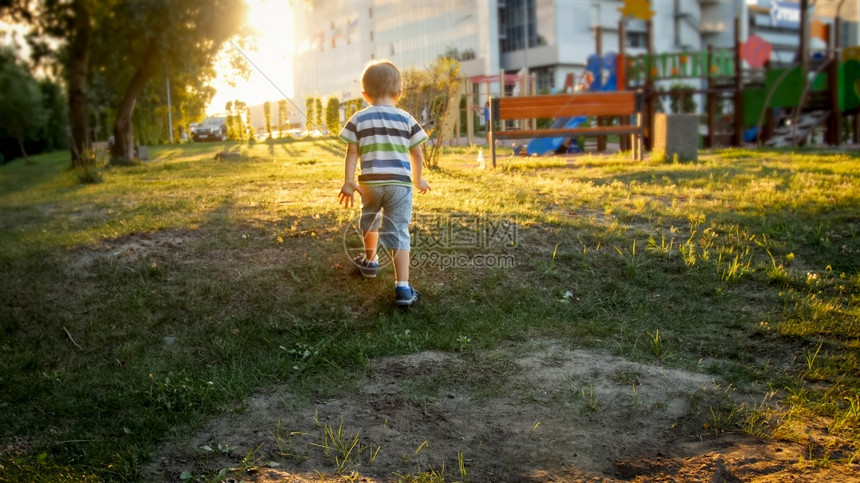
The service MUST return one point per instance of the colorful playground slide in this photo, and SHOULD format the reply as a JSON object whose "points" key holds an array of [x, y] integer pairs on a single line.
{"points": [[540, 146], [604, 72]]}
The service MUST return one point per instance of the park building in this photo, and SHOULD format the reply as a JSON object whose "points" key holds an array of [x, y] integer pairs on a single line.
{"points": [[549, 39]]}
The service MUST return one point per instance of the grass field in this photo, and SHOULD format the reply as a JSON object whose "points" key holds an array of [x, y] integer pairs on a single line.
{"points": [[136, 309]]}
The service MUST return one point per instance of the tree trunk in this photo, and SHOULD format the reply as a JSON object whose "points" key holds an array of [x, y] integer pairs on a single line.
{"points": [[78, 64], [122, 150], [23, 153]]}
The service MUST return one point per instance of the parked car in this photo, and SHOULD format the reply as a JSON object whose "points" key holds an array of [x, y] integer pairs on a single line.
{"points": [[211, 129]]}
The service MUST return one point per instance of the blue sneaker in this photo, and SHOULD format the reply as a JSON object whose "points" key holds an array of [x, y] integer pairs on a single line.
{"points": [[405, 296], [367, 269]]}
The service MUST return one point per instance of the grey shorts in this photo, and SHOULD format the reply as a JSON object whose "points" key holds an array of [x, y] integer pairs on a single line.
{"points": [[388, 207]]}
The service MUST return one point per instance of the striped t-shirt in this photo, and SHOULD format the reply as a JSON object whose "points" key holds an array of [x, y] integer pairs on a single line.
{"points": [[384, 135]]}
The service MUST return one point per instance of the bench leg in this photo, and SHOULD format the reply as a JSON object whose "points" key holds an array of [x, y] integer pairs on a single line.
{"points": [[637, 148], [493, 149], [633, 145], [636, 144]]}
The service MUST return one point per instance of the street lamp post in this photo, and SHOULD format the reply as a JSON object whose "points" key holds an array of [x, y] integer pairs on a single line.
{"points": [[169, 111]]}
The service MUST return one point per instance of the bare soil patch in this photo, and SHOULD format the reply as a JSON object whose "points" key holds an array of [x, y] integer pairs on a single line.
{"points": [[134, 247], [529, 413]]}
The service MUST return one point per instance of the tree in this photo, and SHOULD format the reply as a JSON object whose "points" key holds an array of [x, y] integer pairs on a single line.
{"points": [[351, 107], [248, 120], [21, 106], [283, 121], [235, 122], [428, 95], [76, 76], [126, 43], [230, 121], [267, 112], [53, 134], [71, 22], [318, 113], [137, 41], [332, 115], [310, 115]]}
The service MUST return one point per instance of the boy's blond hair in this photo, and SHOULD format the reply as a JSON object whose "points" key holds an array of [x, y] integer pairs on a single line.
{"points": [[381, 78]]}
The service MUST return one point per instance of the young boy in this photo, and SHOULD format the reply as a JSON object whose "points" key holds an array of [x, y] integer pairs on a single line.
{"points": [[387, 141]]}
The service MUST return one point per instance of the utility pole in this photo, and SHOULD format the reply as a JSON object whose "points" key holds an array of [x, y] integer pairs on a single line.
{"points": [[169, 111], [803, 49]]}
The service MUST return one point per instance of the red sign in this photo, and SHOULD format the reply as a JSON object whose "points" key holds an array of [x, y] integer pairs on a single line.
{"points": [[756, 51]]}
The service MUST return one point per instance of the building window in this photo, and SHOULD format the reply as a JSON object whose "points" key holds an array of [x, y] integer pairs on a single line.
{"points": [[637, 39], [517, 22], [544, 79]]}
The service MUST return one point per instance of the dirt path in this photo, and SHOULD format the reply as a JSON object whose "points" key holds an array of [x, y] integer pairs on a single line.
{"points": [[536, 413]]}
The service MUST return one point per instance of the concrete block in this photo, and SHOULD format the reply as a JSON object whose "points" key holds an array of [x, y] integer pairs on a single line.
{"points": [[676, 134]]}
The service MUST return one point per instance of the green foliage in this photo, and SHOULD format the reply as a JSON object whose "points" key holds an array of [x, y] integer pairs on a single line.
{"points": [[283, 117], [332, 116], [682, 91], [267, 112], [235, 123], [318, 113], [45, 128], [310, 114], [352, 106], [22, 110], [54, 133], [136, 46], [248, 124], [430, 92]]}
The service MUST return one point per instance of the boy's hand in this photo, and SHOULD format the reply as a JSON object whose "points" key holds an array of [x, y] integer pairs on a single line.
{"points": [[422, 185], [347, 194]]}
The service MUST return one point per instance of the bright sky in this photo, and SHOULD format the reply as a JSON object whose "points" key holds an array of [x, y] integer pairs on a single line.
{"points": [[273, 57]]}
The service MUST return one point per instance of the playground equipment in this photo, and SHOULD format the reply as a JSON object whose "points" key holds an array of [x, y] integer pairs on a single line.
{"points": [[540, 146], [802, 97], [748, 98]]}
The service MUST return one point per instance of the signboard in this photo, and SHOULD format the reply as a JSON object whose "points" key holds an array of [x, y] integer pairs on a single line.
{"points": [[785, 14]]}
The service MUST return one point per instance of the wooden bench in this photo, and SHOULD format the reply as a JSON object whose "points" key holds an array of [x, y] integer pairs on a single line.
{"points": [[624, 103]]}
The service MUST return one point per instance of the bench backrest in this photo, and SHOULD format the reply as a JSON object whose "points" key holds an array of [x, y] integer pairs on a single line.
{"points": [[567, 105]]}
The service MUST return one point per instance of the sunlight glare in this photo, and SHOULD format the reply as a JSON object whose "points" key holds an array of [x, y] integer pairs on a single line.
{"points": [[272, 21]]}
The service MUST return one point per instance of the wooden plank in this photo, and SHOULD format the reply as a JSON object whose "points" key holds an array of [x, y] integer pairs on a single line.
{"points": [[566, 105]]}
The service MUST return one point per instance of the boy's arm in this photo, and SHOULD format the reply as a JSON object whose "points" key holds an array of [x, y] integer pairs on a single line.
{"points": [[416, 158], [347, 191]]}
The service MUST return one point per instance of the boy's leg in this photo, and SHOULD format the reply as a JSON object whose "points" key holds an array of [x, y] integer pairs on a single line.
{"points": [[398, 214], [371, 212], [395, 230], [371, 241], [401, 265], [404, 294], [369, 223]]}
